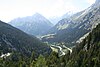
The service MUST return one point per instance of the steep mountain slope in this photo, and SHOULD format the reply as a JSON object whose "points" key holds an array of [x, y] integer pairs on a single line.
{"points": [[34, 25], [71, 30], [61, 25], [13, 39], [87, 53]]}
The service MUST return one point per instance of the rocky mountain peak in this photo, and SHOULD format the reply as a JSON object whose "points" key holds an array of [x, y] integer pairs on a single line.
{"points": [[97, 2], [37, 14]]}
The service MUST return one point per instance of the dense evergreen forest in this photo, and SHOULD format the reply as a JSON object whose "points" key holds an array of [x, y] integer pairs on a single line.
{"points": [[85, 54]]}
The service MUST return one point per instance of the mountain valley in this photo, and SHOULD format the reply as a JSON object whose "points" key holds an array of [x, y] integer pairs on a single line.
{"points": [[71, 40]]}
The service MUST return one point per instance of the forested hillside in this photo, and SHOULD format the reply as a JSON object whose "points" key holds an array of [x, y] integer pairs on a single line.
{"points": [[15, 40]]}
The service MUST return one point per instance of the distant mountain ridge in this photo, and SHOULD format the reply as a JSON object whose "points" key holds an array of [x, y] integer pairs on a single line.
{"points": [[33, 25], [55, 19]]}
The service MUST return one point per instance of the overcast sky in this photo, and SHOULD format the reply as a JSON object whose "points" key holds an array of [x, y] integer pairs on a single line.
{"points": [[10, 9]]}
